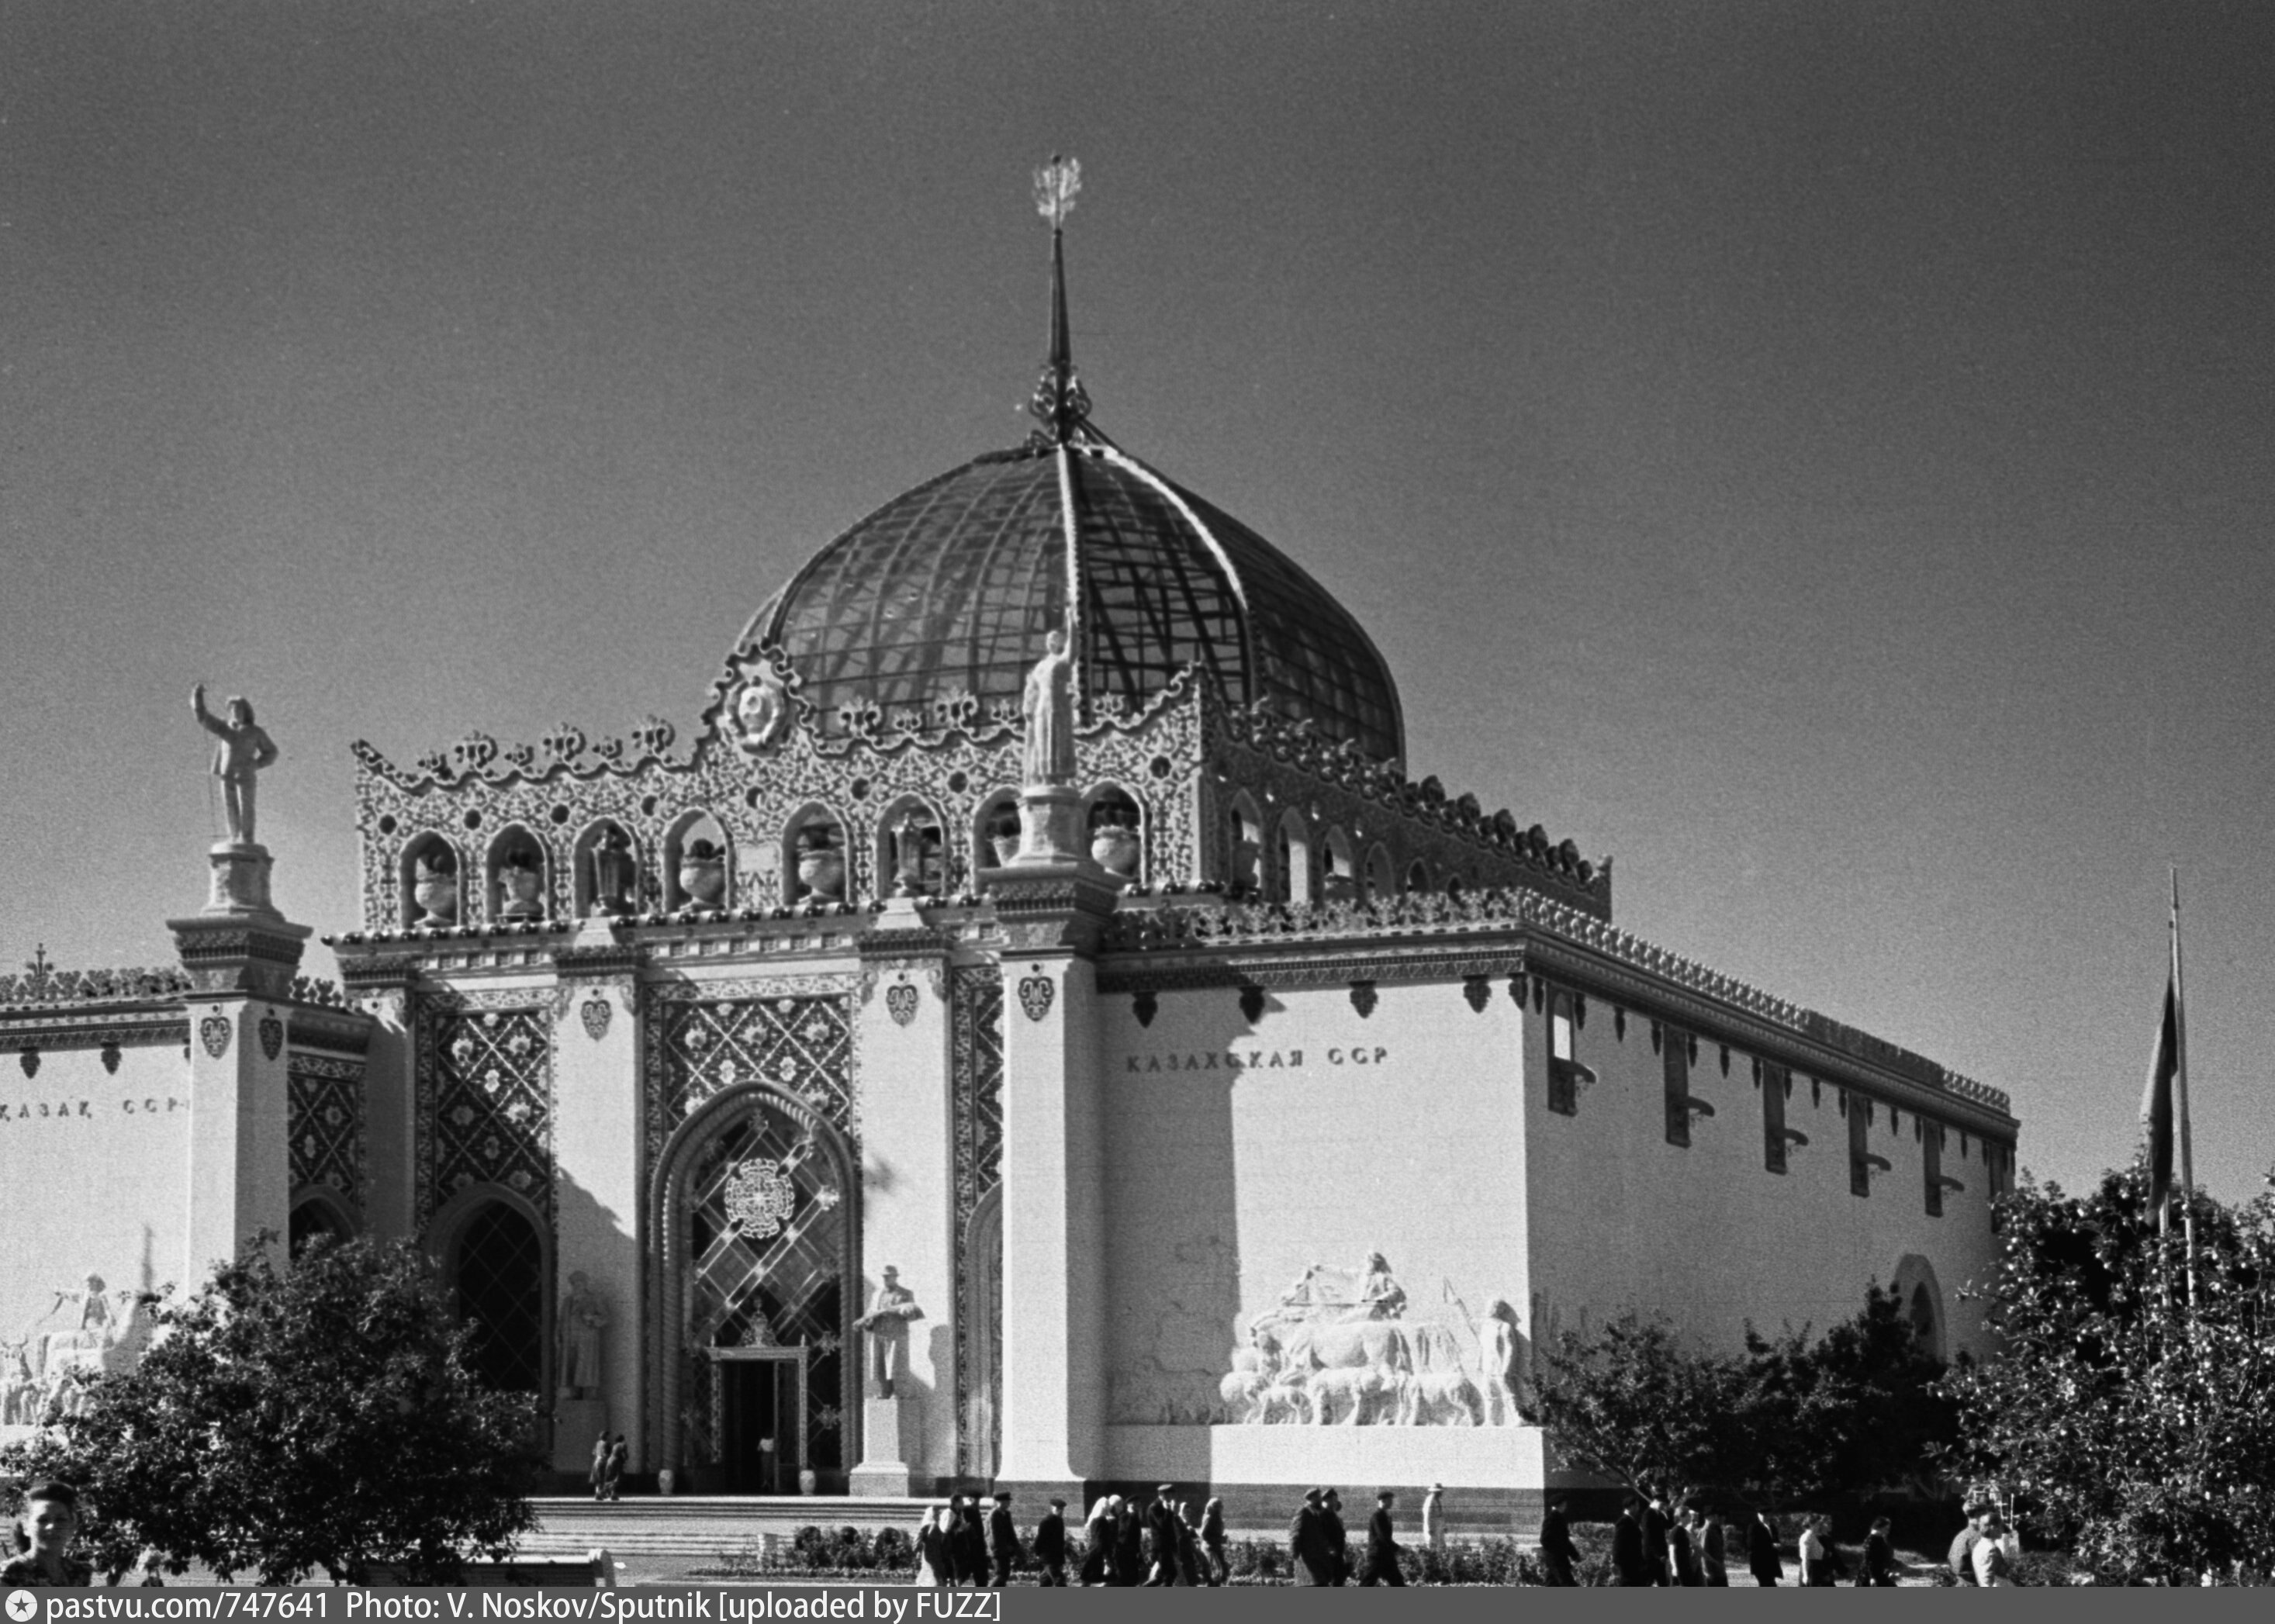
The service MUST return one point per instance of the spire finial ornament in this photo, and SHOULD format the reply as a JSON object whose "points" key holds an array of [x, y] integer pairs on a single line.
{"points": [[1059, 401]]}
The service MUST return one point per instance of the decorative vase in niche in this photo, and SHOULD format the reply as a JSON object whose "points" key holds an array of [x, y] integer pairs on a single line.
{"points": [[436, 890], [822, 873], [1115, 849], [519, 885], [664, 1480], [805, 1480], [703, 879]]}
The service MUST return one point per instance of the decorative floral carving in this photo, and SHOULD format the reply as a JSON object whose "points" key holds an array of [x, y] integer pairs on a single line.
{"points": [[213, 1031], [595, 1013], [271, 1031], [1036, 993], [901, 1002], [975, 1084], [324, 1107], [1364, 997], [760, 1198], [485, 1096]]}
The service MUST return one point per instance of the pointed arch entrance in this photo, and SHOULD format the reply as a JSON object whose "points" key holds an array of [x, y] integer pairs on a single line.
{"points": [[757, 1199]]}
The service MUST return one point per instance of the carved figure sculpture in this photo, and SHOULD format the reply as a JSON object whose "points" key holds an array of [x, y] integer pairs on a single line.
{"points": [[240, 751], [886, 1327], [1048, 754], [1503, 1360], [583, 1317], [613, 874]]}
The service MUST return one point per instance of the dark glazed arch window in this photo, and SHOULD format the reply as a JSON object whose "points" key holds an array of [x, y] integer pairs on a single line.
{"points": [[1674, 1059], [1773, 1139], [500, 1287]]}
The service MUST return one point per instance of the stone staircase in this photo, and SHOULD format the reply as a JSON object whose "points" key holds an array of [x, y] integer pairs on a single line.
{"points": [[689, 1527]]}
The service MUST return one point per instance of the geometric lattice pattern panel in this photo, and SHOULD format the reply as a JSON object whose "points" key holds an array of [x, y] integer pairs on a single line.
{"points": [[767, 1249], [800, 1044], [324, 1113], [485, 1103], [976, 1081]]}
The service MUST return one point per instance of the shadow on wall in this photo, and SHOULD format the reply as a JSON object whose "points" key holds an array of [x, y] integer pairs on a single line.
{"points": [[1172, 1217]]}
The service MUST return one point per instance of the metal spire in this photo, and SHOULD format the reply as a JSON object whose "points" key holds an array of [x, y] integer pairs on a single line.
{"points": [[1059, 402]]}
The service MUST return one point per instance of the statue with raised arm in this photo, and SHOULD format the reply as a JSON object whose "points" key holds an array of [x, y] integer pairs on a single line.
{"points": [[887, 1326], [1048, 757], [240, 751]]}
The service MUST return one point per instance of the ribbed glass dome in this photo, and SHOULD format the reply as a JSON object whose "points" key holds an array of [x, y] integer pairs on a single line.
{"points": [[953, 587]]}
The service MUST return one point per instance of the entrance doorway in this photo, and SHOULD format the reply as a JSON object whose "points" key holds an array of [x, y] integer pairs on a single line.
{"points": [[758, 1406]]}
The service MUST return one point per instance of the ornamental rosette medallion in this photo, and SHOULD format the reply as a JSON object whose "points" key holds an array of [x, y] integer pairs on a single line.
{"points": [[760, 1198]]}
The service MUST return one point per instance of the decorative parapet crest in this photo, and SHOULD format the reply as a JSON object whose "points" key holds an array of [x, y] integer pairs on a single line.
{"points": [[1171, 927], [42, 984]]}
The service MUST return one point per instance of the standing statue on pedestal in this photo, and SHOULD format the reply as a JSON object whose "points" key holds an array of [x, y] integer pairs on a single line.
{"points": [[240, 751], [1048, 757], [582, 1318], [887, 1325]]}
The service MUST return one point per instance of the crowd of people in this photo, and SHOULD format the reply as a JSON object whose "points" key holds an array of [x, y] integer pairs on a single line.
{"points": [[1662, 1537], [1162, 1543]]}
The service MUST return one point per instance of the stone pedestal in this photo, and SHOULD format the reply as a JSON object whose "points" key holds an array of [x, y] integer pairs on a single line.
{"points": [[1049, 820], [240, 879], [889, 1427], [576, 1423]]}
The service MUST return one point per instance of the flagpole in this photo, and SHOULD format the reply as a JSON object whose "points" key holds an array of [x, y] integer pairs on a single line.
{"points": [[2180, 1099]]}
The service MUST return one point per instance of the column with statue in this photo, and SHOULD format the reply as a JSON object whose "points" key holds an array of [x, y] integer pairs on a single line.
{"points": [[241, 956], [892, 1418]]}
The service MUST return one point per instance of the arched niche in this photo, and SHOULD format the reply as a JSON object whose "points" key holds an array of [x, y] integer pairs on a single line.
{"points": [[1246, 835], [496, 1253], [1418, 876], [1457, 887], [517, 875], [995, 831], [911, 848], [697, 862], [1343, 883], [606, 864], [1919, 1296], [318, 1212], [430, 879], [1291, 858], [1382, 876], [1113, 824], [756, 1215], [817, 861]]}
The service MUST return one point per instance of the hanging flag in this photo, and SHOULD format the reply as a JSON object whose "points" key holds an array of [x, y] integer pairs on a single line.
{"points": [[2156, 1110]]}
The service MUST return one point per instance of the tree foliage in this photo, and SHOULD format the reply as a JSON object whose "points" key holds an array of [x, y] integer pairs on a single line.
{"points": [[2138, 1434], [1796, 1421], [283, 1421]]}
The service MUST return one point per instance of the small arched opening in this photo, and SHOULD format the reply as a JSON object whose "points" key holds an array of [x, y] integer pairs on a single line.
{"points": [[995, 831], [428, 882], [318, 1213], [1382, 876], [605, 861], [1116, 827], [1292, 859], [1417, 877], [1245, 835], [815, 858], [496, 1268], [1342, 877], [1919, 1297], [911, 849], [697, 869], [517, 878]]}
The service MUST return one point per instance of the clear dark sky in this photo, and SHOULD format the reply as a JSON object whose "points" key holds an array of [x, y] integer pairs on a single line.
{"points": [[1820, 453]]}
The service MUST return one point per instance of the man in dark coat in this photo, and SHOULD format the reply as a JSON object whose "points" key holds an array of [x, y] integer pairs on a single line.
{"points": [[1630, 1566], [1681, 1554], [1050, 1544], [1004, 1539], [1713, 1551], [1307, 1552], [1128, 1547], [972, 1543], [1161, 1534], [1381, 1546], [1762, 1550], [1880, 1566], [1560, 1554], [1337, 1539]]}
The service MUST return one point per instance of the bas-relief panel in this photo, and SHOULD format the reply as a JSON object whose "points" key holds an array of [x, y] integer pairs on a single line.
{"points": [[1334, 1236]]}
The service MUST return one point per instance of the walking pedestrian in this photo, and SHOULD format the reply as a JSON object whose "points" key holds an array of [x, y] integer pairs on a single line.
{"points": [[1307, 1541], [1816, 1551], [1189, 1548], [1963, 1543], [1050, 1544], [1656, 1522], [1161, 1536], [599, 1476], [1382, 1546], [1713, 1548], [1559, 1554], [1433, 1518], [1098, 1542], [1682, 1552], [1003, 1540], [1762, 1557], [1879, 1557], [1129, 1548], [1630, 1566], [932, 1564], [1338, 1541], [620, 1457], [1213, 1541]]}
